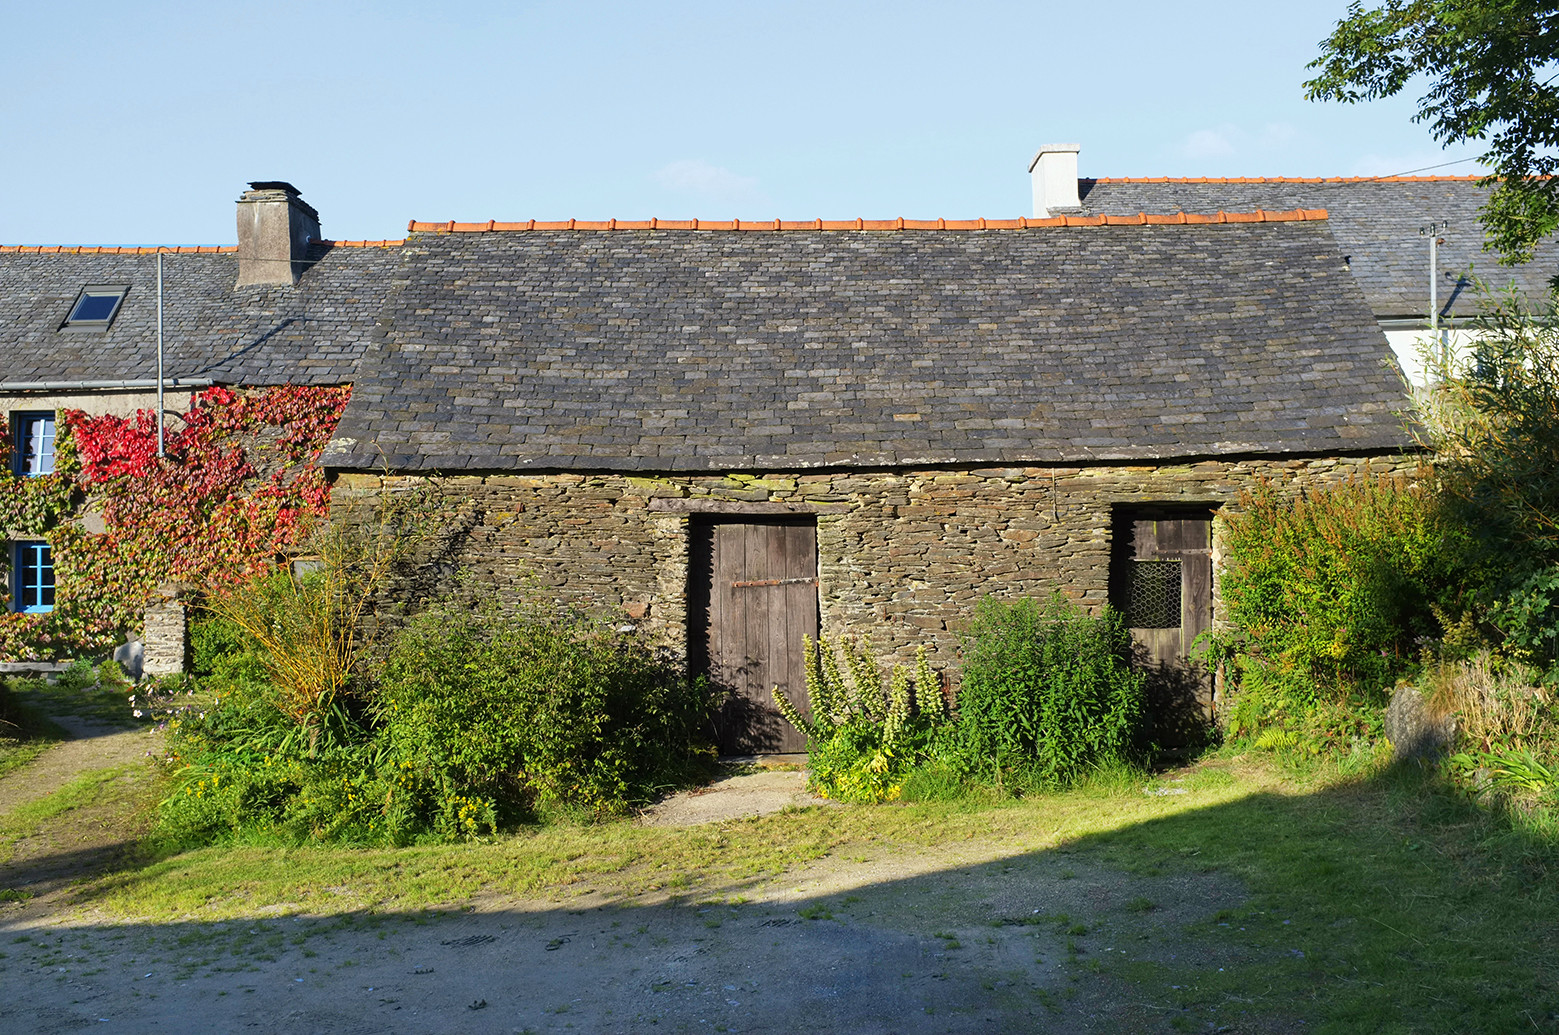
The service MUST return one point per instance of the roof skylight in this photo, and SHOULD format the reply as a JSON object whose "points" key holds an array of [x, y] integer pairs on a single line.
{"points": [[96, 307]]}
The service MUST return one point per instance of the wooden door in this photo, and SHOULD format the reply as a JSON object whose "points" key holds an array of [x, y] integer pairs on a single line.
{"points": [[759, 601], [1167, 590]]}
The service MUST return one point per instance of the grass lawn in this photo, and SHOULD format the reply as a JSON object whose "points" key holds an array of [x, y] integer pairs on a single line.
{"points": [[1375, 902]]}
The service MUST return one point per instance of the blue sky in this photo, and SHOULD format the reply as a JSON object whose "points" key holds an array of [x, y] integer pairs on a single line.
{"points": [[140, 123]]}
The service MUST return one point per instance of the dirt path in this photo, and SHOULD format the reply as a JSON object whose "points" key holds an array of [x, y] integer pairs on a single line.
{"points": [[981, 935], [95, 830], [734, 797], [981, 938], [93, 745]]}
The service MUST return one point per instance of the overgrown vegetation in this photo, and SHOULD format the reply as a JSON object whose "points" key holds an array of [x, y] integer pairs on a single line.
{"points": [[1448, 580], [1332, 594], [865, 736], [1493, 415], [468, 722], [1048, 695]]}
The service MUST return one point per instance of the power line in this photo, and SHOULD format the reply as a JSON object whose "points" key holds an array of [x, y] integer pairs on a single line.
{"points": [[1426, 168]]}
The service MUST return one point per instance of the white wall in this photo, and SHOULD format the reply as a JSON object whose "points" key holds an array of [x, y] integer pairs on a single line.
{"points": [[95, 403], [1409, 347]]}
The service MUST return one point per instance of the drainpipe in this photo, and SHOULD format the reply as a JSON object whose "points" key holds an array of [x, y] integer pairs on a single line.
{"points": [[162, 453]]}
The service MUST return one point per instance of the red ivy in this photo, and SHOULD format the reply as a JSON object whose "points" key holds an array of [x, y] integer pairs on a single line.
{"points": [[239, 487]]}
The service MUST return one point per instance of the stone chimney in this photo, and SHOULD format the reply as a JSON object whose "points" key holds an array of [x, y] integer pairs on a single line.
{"points": [[1054, 171], [275, 226]]}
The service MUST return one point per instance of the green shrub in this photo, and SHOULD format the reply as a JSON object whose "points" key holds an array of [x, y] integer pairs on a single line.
{"points": [[865, 736], [1331, 593], [477, 721], [1048, 693], [532, 710]]}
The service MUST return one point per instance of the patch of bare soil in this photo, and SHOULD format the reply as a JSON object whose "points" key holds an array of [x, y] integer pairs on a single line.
{"points": [[734, 797]]}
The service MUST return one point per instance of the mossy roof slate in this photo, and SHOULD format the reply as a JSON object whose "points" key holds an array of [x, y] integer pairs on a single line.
{"points": [[1376, 224], [665, 350], [314, 333]]}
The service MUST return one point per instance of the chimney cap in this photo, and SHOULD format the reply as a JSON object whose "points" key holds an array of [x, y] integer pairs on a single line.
{"points": [[281, 185], [1054, 149]]}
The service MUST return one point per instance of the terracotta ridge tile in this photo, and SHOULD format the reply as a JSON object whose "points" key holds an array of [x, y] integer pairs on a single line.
{"points": [[1279, 179], [114, 249], [387, 243], [179, 249], [869, 225]]}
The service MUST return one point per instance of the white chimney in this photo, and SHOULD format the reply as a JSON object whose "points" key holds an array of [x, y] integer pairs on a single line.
{"points": [[1054, 171]]}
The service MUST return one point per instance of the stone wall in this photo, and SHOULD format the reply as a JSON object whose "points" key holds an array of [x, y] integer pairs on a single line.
{"points": [[165, 642], [903, 554]]}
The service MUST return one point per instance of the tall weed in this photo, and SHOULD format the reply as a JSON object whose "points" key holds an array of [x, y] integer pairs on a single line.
{"points": [[866, 734], [1048, 693], [1496, 701], [312, 630]]}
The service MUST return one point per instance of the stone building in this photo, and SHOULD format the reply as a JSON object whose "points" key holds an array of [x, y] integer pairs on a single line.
{"points": [[737, 434]]}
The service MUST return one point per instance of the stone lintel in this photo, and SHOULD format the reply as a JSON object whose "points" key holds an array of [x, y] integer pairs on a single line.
{"points": [[739, 507]]}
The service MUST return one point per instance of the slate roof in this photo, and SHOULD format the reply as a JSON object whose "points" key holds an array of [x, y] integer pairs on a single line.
{"points": [[1375, 221], [696, 350], [313, 333]]}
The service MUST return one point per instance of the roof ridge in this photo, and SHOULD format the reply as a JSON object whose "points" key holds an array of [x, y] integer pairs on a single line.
{"points": [[1277, 179], [165, 249], [1021, 223], [114, 249]]}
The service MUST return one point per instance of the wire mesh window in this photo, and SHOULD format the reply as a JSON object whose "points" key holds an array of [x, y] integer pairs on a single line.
{"points": [[1155, 595]]}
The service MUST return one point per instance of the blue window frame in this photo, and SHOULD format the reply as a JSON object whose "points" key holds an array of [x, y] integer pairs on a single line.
{"points": [[34, 450], [34, 577]]}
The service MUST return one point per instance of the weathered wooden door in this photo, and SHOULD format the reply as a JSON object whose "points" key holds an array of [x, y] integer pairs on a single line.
{"points": [[1166, 592], [760, 600]]}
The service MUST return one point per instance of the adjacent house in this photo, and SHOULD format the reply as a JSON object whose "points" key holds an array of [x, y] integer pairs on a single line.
{"points": [[737, 434], [1383, 227]]}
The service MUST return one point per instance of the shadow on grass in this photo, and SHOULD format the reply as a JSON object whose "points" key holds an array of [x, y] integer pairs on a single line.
{"points": [[1382, 906]]}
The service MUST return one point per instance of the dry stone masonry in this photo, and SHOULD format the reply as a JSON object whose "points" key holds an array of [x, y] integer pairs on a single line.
{"points": [[903, 555]]}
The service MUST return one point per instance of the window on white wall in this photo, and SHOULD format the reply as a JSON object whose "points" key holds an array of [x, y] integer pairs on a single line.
{"points": [[33, 448]]}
